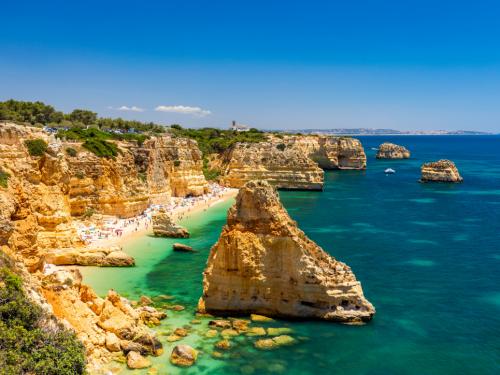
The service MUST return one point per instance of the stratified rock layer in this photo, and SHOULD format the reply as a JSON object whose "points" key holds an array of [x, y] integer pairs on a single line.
{"points": [[262, 263], [392, 151], [440, 171], [289, 162]]}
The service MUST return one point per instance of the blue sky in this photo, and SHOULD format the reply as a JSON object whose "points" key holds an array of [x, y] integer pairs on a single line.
{"points": [[270, 64]]}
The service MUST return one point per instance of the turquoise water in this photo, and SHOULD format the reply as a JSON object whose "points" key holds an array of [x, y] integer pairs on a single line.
{"points": [[428, 256]]}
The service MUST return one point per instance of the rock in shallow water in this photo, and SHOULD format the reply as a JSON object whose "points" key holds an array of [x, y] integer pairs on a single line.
{"points": [[164, 226], [181, 247], [136, 361], [392, 151], [183, 355]]}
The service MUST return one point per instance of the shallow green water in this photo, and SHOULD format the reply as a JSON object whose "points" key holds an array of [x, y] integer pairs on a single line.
{"points": [[428, 256]]}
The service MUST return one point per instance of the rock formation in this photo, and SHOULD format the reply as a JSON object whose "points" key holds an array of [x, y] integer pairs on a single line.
{"points": [[440, 171], [262, 263], [164, 226], [289, 162], [112, 257], [285, 168], [392, 151], [105, 326]]}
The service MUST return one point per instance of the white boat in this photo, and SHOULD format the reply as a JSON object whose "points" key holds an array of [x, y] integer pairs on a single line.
{"points": [[389, 171]]}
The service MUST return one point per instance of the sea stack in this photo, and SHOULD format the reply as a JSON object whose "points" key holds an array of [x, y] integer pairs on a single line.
{"points": [[164, 226], [440, 171], [392, 151], [264, 264]]}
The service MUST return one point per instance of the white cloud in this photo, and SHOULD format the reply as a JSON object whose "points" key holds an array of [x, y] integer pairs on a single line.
{"points": [[196, 111], [128, 109]]}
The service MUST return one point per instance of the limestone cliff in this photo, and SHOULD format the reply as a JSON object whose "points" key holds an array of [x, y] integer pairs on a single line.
{"points": [[283, 167], [440, 171], [289, 162], [44, 192], [262, 263], [392, 151]]}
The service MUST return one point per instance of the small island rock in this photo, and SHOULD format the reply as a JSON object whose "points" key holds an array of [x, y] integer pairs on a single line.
{"points": [[392, 151], [440, 171]]}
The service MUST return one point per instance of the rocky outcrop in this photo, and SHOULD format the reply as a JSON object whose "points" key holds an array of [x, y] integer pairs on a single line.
{"points": [[331, 152], [182, 247], [262, 263], [164, 226], [392, 151], [112, 257], [283, 167], [106, 326], [289, 162], [183, 356], [440, 171]]}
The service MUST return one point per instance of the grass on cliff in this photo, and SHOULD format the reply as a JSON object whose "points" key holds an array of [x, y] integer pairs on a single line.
{"points": [[213, 140], [97, 141], [36, 147], [4, 179], [27, 345]]}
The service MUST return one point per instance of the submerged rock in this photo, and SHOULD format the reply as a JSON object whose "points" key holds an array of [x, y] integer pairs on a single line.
{"points": [[181, 247], [392, 151], [264, 264], [183, 355], [275, 342], [440, 171], [164, 226]]}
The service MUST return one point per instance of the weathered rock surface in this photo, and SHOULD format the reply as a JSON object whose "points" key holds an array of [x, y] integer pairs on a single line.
{"points": [[286, 168], [392, 151], [183, 355], [164, 226], [181, 247], [289, 162], [136, 361], [112, 257], [262, 263], [105, 326], [440, 171]]}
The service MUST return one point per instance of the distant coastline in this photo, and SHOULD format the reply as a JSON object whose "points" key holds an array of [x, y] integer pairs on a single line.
{"points": [[391, 132]]}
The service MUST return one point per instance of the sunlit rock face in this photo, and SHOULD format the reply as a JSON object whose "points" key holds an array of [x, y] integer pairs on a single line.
{"points": [[440, 171], [289, 162], [392, 151], [263, 263]]}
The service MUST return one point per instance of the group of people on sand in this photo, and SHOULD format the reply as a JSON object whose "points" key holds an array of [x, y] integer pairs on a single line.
{"points": [[116, 228]]}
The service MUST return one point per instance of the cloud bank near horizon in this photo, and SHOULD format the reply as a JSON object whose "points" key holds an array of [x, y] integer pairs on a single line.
{"points": [[125, 108], [182, 109]]}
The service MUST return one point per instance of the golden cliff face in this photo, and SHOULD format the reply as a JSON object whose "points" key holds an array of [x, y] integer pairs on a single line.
{"points": [[283, 167], [289, 162], [262, 263], [44, 192], [392, 151]]}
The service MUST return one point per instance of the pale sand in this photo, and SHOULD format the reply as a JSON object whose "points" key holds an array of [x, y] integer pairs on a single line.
{"points": [[177, 214]]}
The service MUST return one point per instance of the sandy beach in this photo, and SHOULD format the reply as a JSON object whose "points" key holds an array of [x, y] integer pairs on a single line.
{"points": [[117, 231]]}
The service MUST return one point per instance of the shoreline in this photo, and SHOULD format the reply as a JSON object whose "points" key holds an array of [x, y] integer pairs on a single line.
{"points": [[142, 224]]}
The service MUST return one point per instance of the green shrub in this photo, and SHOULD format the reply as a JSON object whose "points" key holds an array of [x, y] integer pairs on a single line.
{"points": [[101, 148], [211, 174], [142, 176], [80, 175], [89, 212], [4, 179], [36, 147], [26, 346], [71, 151], [281, 146], [177, 163]]}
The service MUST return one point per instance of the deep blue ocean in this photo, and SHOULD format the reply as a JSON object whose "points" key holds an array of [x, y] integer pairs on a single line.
{"points": [[428, 257]]}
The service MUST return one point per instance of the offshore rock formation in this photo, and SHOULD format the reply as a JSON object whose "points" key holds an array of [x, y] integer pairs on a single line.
{"points": [[440, 171], [107, 327], [392, 151], [164, 226], [289, 162], [262, 263]]}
